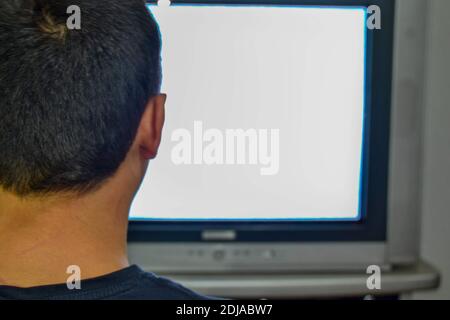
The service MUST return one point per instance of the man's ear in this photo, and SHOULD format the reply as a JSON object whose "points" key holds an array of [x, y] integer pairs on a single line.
{"points": [[151, 126]]}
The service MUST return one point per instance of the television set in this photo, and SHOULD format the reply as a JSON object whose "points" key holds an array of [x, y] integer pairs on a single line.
{"points": [[276, 149]]}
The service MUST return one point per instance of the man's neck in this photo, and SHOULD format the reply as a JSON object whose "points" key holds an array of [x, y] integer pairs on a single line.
{"points": [[41, 238]]}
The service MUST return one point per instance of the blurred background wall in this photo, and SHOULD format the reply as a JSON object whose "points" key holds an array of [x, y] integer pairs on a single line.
{"points": [[435, 237]]}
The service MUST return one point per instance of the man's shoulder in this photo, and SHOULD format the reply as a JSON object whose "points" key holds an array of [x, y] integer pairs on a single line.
{"points": [[131, 283], [151, 286]]}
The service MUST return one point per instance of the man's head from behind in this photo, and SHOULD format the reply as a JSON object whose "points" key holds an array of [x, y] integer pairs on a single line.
{"points": [[75, 103]]}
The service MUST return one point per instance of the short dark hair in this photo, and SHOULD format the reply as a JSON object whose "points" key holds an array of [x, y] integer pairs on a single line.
{"points": [[71, 100]]}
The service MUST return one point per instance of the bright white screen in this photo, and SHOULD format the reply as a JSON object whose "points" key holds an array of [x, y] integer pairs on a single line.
{"points": [[298, 71]]}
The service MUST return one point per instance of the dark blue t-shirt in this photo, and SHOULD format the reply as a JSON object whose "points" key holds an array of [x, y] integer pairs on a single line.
{"points": [[128, 283]]}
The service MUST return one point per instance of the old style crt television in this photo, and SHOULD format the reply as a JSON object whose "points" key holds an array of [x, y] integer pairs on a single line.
{"points": [[275, 154]]}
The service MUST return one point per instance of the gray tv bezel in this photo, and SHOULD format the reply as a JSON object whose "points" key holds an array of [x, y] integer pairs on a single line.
{"points": [[401, 245]]}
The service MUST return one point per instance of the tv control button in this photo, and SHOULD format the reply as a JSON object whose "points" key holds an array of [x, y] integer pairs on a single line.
{"points": [[219, 255], [268, 254]]}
